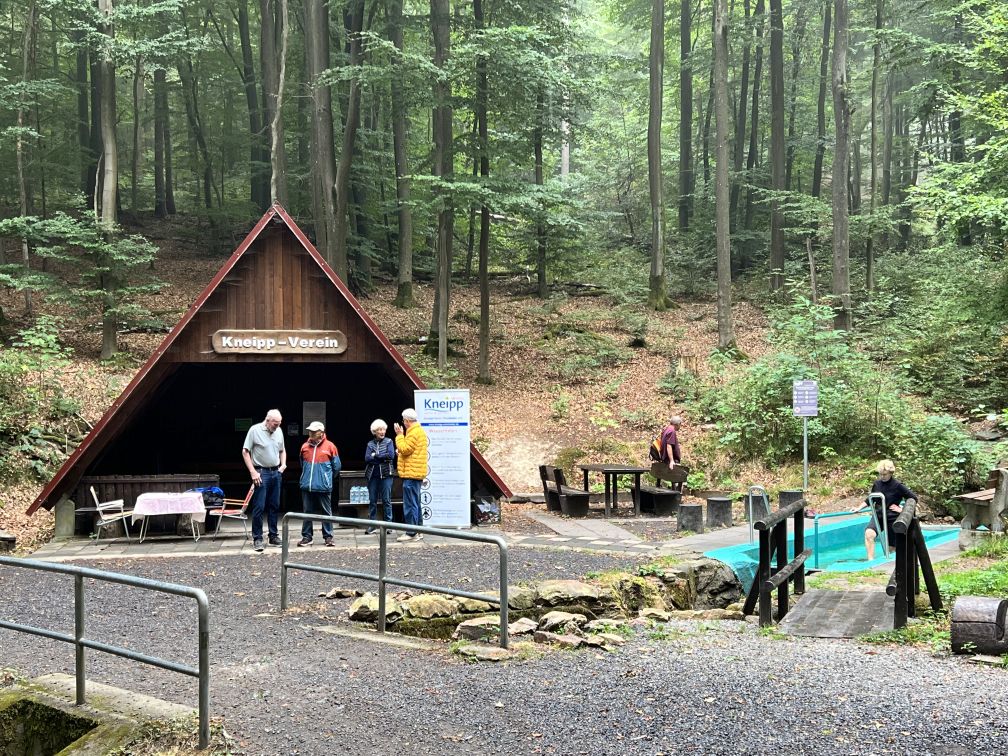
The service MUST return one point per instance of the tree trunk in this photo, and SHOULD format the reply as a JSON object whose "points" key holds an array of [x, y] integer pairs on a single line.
{"points": [[138, 96], [726, 327], [195, 122], [317, 59], [685, 116], [707, 115], [346, 152], [484, 231], [817, 167], [777, 147], [841, 153], [752, 157], [83, 119], [873, 148], [796, 49], [441, 32], [27, 67], [94, 180], [404, 291], [258, 177], [887, 139], [740, 126], [656, 76], [540, 231], [160, 117], [110, 179], [273, 26]]}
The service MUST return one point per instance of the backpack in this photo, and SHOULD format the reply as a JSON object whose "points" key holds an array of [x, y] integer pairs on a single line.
{"points": [[655, 450]]}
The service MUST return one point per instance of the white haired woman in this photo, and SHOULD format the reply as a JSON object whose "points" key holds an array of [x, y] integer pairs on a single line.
{"points": [[380, 460], [895, 494]]}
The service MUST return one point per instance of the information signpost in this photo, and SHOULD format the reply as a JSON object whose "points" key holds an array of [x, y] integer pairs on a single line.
{"points": [[445, 493], [805, 404]]}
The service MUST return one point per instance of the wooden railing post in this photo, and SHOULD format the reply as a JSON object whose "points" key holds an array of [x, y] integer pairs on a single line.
{"points": [[765, 613], [780, 536]]}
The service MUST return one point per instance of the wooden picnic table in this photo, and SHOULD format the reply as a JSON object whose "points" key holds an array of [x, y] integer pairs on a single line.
{"points": [[610, 473]]}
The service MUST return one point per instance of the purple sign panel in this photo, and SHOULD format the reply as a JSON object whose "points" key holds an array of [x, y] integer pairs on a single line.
{"points": [[805, 398]]}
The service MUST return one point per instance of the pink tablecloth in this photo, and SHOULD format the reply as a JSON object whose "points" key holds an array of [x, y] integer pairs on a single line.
{"points": [[190, 502]]}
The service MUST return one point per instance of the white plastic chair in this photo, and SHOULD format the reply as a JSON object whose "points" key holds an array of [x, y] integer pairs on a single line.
{"points": [[229, 509], [109, 513]]}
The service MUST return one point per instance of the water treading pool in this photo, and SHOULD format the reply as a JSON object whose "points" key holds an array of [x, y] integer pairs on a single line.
{"points": [[841, 548]]}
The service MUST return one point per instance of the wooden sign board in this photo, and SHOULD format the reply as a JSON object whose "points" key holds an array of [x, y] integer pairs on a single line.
{"points": [[279, 342]]}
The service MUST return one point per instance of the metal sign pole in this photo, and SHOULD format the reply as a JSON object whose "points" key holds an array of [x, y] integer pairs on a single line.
{"points": [[805, 452]]}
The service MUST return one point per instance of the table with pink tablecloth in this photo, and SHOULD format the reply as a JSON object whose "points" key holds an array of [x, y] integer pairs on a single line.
{"points": [[150, 504]]}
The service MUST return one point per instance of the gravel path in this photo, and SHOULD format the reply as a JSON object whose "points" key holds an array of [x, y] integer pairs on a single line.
{"points": [[284, 687]]}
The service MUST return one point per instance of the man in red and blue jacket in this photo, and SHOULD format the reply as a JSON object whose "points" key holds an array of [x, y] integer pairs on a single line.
{"points": [[320, 466]]}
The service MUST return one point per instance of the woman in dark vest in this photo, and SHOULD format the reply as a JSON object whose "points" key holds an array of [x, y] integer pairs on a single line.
{"points": [[380, 460], [895, 494]]}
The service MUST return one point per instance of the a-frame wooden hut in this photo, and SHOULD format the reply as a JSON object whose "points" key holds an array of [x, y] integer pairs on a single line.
{"points": [[275, 328]]}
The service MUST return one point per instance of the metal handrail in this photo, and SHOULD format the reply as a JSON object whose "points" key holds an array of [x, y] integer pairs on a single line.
{"points": [[382, 579], [883, 526], [851, 513], [80, 642], [749, 500]]}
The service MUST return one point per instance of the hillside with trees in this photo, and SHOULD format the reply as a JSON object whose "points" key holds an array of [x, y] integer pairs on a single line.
{"points": [[591, 212]]}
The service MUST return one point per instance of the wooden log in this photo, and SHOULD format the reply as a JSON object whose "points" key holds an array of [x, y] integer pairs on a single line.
{"points": [[690, 518], [719, 512], [979, 625]]}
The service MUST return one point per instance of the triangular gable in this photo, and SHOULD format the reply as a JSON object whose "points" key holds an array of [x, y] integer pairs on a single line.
{"points": [[132, 397]]}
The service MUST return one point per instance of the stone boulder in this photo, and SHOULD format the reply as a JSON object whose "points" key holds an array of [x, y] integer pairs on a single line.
{"points": [[520, 597], [566, 592], [473, 606], [651, 613], [430, 605], [365, 609], [480, 652], [478, 628], [523, 626], [716, 585], [563, 641], [562, 622]]}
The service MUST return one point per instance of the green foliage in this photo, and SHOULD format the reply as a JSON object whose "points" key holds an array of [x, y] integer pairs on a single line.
{"points": [[99, 270], [939, 459], [37, 420], [575, 357], [946, 333], [681, 385], [561, 405], [988, 581], [994, 547], [860, 408]]}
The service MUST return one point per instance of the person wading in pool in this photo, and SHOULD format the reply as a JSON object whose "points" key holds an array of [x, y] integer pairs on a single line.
{"points": [[895, 494]]}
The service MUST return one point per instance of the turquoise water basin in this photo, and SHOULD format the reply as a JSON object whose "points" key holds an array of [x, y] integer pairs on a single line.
{"points": [[840, 546]]}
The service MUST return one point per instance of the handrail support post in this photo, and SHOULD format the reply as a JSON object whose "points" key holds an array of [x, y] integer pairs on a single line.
{"points": [[79, 672]]}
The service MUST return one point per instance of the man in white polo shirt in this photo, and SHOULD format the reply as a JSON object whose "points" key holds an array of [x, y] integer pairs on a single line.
{"points": [[266, 459]]}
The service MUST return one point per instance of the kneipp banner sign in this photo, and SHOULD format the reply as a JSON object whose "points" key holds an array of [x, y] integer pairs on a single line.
{"points": [[444, 494]]}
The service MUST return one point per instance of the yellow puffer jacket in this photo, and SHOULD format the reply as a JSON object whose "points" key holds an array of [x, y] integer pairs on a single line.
{"points": [[412, 448]]}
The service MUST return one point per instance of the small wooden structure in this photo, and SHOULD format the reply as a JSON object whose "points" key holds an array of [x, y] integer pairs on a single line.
{"points": [[980, 625], [275, 328], [988, 507]]}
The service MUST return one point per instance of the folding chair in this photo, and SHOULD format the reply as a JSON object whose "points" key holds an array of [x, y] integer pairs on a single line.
{"points": [[109, 513], [236, 509]]}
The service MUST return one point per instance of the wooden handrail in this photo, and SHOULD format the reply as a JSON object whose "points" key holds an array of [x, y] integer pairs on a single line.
{"points": [[781, 514]]}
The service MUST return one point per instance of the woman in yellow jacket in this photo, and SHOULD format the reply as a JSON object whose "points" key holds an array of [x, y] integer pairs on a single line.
{"points": [[411, 445]]}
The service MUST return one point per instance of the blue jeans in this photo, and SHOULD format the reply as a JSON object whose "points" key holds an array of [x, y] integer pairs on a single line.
{"points": [[383, 486], [411, 502], [316, 502], [266, 496]]}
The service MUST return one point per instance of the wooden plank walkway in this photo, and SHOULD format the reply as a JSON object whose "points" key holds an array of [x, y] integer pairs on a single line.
{"points": [[839, 614]]}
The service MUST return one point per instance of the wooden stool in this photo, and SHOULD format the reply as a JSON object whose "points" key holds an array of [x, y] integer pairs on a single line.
{"points": [[719, 514], [690, 518]]}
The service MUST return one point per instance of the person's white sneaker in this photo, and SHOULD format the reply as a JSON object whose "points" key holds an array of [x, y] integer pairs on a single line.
{"points": [[405, 537], [418, 536]]}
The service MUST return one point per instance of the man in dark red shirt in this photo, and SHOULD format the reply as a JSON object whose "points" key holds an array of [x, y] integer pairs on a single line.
{"points": [[670, 451]]}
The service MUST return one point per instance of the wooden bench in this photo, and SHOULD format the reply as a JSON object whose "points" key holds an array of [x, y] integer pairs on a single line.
{"points": [[663, 501], [573, 501], [990, 506], [549, 488]]}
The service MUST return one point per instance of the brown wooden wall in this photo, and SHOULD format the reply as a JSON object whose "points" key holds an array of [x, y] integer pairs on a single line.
{"points": [[276, 285]]}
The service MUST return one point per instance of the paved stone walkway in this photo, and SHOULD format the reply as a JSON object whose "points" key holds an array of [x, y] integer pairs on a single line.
{"points": [[567, 533]]}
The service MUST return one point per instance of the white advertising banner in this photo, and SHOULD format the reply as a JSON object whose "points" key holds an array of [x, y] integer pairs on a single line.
{"points": [[445, 492]]}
